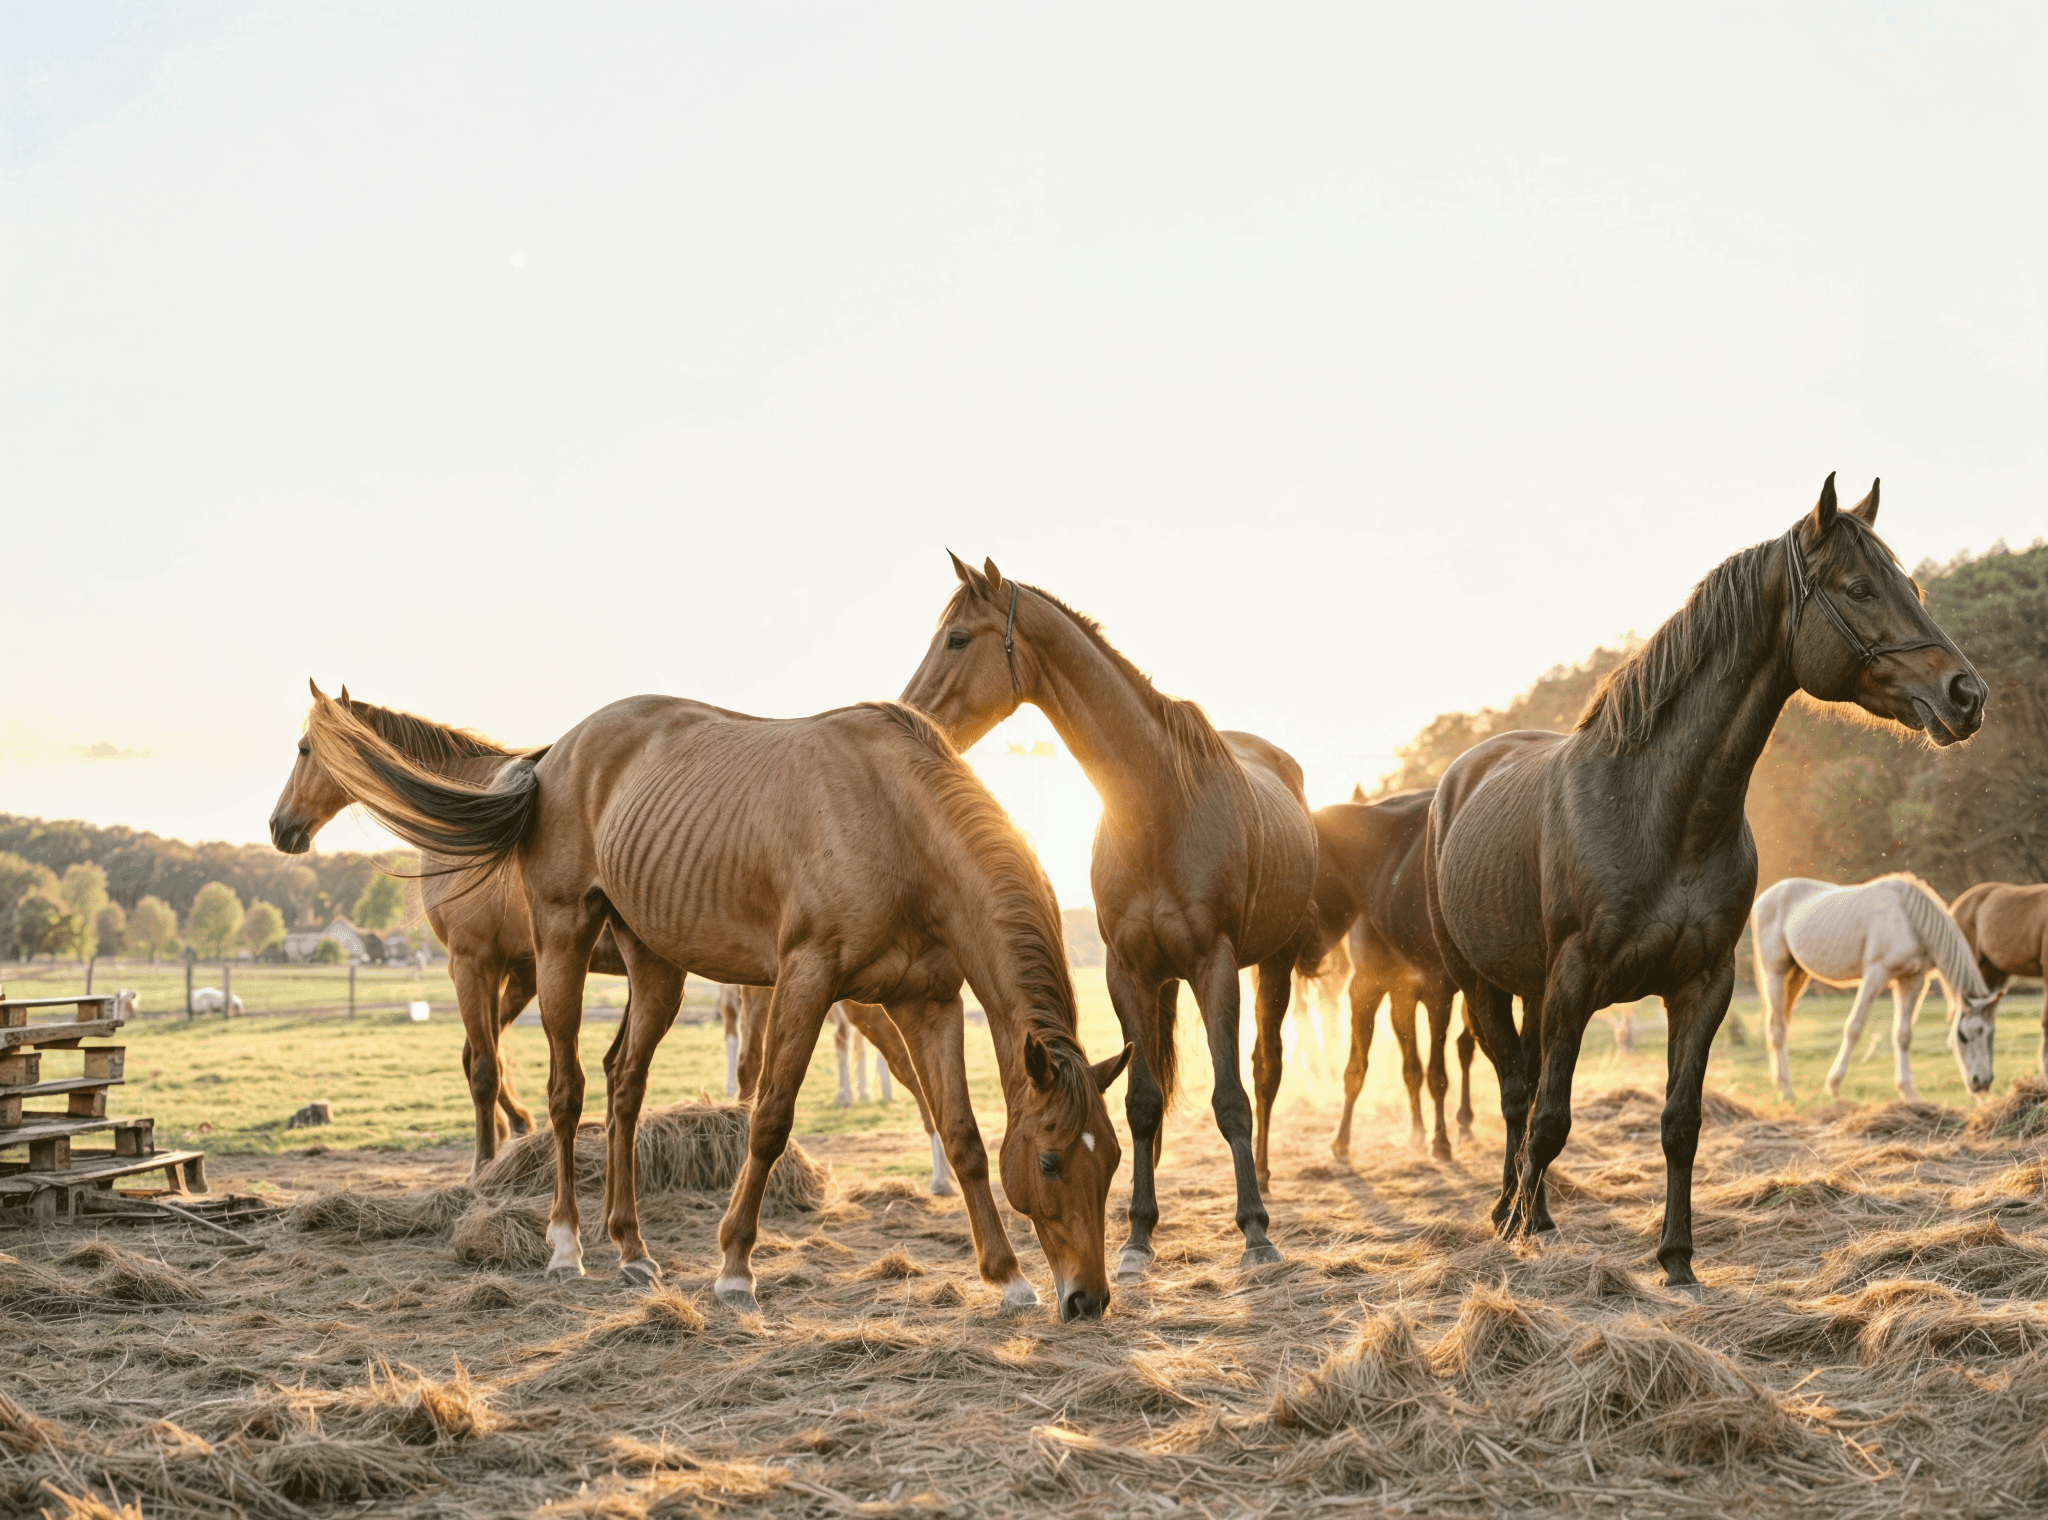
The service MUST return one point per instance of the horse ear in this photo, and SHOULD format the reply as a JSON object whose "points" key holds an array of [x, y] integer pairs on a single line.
{"points": [[314, 687], [1358, 791], [344, 694], [1106, 1072], [1037, 1064], [1867, 508], [1822, 517], [995, 576], [969, 576]]}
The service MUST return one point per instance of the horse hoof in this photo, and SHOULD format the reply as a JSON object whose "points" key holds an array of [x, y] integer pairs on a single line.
{"points": [[1341, 1149], [1134, 1265], [1260, 1256], [737, 1294], [564, 1269], [942, 1187], [1019, 1295], [1441, 1149], [1692, 1290], [640, 1272]]}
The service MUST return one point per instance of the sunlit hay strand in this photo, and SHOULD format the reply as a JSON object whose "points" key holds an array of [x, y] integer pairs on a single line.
{"points": [[661, 1318], [1633, 1384], [376, 1216], [692, 1147], [1626, 1108], [128, 1278], [1562, 1274], [1380, 1381], [38, 1293], [21, 1431], [2022, 1186], [513, 1236], [895, 1266], [321, 1469], [2022, 1114], [87, 1506], [409, 1407], [1498, 1337], [884, 1191], [1723, 1108], [944, 1295], [709, 1488], [491, 1294], [1976, 1256], [1789, 1190], [1902, 1121], [1911, 1323]]}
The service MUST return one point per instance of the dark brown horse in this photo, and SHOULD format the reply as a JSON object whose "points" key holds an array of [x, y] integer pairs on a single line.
{"points": [[1596, 867], [1369, 887], [2007, 927], [1203, 863], [490, 947], [848, 855]]}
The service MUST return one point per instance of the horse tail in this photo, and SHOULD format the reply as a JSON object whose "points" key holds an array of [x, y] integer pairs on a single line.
{"points": [[476, 825], [1162, 1056]]}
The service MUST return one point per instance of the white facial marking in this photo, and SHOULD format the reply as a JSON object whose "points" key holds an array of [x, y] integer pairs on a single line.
{"points": [[1087, 1139]]}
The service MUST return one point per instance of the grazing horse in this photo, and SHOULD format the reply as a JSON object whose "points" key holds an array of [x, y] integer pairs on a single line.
{"points": [[745, 1011], [1369, 888], [1891, 932], [211, 1000], [1578, 870], [2007, 930], [1203, 862], [490, 947], [850, 854]]}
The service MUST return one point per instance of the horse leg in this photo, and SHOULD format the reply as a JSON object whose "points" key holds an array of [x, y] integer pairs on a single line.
{"points": [[1693, 1015], [842, 1036], [1401, 1014], [1439, 1006], [803, 996], [563, 934], [657, 994], [1217, 993], [893, 1055], [754, 1034], [729, 1010], [933, 1036], [1274, 983], [476, 994], [1466, 1046], [1866, 992], [1365, 1009], [1558, 1027], [1490, 1019], [1907, 994], [1138, 1011], [514, 993], [1778, 996]]}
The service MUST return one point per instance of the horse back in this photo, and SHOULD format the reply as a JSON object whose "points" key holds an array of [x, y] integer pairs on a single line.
{"points": [[2006, 925]]}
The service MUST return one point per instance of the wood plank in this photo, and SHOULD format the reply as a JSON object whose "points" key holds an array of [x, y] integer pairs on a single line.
{"points": [[82, 1001], [18, 1067], [186, 1171], [36, 1127], [60, 1085], [106, 1062], [57, 1034]]}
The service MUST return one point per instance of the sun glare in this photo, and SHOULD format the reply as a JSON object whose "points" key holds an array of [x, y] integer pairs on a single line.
{"points": [[1047, 794]]}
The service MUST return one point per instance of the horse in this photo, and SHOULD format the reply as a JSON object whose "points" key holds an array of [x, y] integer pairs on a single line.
{"points": [[490, 947], [127, 1003], [211, 999], [1600, 866], [1203, 863], [1891, 932], [852, 854], [2007, 930], [745, 1013], [1369, 891]]}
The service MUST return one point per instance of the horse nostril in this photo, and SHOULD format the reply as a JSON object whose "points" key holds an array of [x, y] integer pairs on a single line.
{"points": [[1966, 693], [1081, 1304]]}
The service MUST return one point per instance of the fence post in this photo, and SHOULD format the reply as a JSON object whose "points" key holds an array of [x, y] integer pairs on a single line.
{"points": [[227, 987], [88, 974], [351, 987], [188, 989]]}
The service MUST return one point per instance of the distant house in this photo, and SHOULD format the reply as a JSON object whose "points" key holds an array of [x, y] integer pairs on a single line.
{"points": [[397, 947], [300, 946]]}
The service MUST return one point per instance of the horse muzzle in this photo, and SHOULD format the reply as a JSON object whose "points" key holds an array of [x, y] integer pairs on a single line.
{"points": [[289, 835], [1955, 712], [1083, 1303]]}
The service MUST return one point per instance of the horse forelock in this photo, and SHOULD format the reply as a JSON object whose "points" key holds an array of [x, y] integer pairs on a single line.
{"points": [[1026, 910], [1721, 620]]}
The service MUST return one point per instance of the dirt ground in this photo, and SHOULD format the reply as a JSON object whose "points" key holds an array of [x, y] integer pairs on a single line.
{"points": [[1871, 1343]]}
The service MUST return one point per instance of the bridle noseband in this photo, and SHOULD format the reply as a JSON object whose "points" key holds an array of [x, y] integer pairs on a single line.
{"points": [[1805, 588]]}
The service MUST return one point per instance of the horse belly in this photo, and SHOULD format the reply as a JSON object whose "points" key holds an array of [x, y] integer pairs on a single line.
{"points": [[1490, 890]]}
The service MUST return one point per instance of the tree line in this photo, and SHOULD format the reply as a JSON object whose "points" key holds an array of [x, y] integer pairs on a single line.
{"points": [[1833, 796]]}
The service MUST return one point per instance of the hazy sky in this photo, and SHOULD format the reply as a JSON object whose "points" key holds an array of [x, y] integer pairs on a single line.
{"points": [[1352, 364]]}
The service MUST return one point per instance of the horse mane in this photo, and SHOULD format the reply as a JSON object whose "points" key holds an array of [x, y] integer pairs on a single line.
{"points": [[1937, 928], [422, 740], [1724, 612], [1026, 910]]}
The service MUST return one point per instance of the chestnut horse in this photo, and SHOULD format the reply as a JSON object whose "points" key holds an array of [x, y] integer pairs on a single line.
{"points": [[2007, 927], [1601, 866], [1203, 863], [849, 854], [1369, 888], [490, 949]]}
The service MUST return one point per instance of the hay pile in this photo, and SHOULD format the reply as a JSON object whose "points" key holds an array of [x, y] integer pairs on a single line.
{"points": [[500, 1218], [1872, 1343]]}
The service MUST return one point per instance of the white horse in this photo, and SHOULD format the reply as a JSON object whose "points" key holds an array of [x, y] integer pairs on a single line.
{"points": [[1892, 932], [208, 1000], [127, 1003]]}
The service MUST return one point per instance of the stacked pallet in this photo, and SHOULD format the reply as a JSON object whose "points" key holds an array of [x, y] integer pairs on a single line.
{"points": [[39, 1165]]}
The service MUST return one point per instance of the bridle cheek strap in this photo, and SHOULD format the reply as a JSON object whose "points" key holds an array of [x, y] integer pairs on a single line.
{"points": [[1010, 640], [1805, 588]]}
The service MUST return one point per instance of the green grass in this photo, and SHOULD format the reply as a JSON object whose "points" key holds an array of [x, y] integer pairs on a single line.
{"points": [[268, 989]]}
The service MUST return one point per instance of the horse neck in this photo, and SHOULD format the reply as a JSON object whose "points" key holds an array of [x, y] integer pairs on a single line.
{"points": [[1107, 721], [1943, 940]]}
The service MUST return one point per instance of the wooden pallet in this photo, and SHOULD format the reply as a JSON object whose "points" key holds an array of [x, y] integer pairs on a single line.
{"points": [[53, 1195]]}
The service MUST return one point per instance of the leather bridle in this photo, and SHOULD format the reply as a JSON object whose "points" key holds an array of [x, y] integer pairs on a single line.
{"points": [[1805, 588], [1009, 640]]}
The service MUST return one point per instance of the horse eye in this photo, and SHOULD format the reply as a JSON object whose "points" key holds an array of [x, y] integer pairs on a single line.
{"points": [[1861, 592], [956, 640], [1048, 1164], [305, 748]]}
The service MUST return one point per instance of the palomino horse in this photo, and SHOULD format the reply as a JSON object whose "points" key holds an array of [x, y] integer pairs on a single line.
{"points": [[745, 1012], [1203, 862], [2007, 928], [490, 948], [1596, 867], [850, 854], [1369, 888], [1892, 932]]}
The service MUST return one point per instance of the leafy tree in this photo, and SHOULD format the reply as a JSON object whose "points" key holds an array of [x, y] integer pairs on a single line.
{"points": [[153, 928], [262, 927], [381, 904], [215, 919], [329, 953], [17, 878], [110, 929], [83, 891], [39, 924]]}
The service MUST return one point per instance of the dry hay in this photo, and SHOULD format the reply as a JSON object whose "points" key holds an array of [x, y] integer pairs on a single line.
{"points": [[1863, 1349], [2022, 1114]]}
